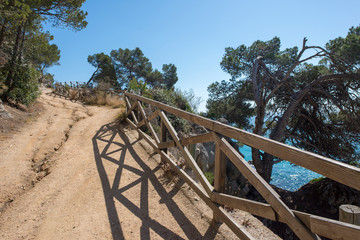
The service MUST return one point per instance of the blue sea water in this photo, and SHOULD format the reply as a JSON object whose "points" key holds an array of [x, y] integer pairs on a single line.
{"points": [[286, 175]]}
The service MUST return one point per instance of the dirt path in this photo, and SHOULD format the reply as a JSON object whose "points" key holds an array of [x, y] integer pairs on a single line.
{"points": [[74, 174]]}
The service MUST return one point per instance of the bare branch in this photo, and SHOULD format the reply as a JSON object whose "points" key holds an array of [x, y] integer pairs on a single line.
{"points": [[329, 96], [254, 82], [303, 141], [286, 77], [319, 54], [333, 77]]}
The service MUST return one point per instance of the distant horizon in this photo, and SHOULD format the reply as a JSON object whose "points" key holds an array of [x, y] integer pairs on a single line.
{"points": [[194, 35]]}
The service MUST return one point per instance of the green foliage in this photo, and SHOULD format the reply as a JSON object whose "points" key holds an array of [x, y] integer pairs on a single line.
{"points": [[313, 107], [105, 70], [154, 78], [139, 87], [169, 76], [224, 102], [131, 64], [210, 177], [166, 79], [27, 47], [48, 79], [61, 13], [316, 179], [185, 100], [121, 116], [39, 51], [26, 86], [348, 49], [179, 99]]}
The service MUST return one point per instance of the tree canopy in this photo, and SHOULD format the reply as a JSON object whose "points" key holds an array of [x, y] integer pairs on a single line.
{"points": [[124, 65], [105, 70], [25, 46], [130, 64], [314, 107]]}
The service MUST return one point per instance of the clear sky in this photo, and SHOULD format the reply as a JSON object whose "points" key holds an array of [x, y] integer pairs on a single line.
{"points": [[192, 34]]}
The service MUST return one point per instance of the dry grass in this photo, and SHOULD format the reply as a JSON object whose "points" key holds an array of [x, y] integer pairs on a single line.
{"points": [[101, 99], [121, 117], [73, 94]]}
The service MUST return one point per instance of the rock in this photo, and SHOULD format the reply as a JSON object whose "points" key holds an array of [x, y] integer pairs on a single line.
{"points": [[205, 158], [223, 121], [3, 112], [202, 157], [322, 198]]}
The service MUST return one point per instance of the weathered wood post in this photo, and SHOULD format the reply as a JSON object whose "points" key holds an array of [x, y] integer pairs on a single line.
{"points": [[219, 173], [192, 150], [139, 117], [163, 131], [349, 214]]}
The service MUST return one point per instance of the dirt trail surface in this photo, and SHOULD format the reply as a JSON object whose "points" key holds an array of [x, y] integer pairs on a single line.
{"points": [[75, 174]]}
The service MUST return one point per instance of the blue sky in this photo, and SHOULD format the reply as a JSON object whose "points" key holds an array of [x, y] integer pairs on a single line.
{"points": [[193, 34]]}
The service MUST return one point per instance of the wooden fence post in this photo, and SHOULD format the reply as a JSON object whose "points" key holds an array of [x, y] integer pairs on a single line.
{"points": [[163, 136], [220, 170], [139, 118], [219, 173], [304, 225], [349, 214], [192, 150]]}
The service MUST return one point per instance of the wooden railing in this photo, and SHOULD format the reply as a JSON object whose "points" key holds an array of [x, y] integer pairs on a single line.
{"points": [[304, 225], [78, 91]]}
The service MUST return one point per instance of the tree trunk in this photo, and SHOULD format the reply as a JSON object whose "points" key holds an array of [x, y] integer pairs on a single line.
{"points": [[2, 33], [278, 132], [22, 43], [263, 162], [92, 77], [10, 77]]}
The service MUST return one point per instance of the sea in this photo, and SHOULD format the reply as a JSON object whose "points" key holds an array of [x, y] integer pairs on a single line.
{"points": [[285, 175]]}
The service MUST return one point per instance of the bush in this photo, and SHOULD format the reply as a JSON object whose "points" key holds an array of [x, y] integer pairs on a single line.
{"points": [[121, 116], [210, 177], [139, 88], [25, 89], [184, 100], [175, 99], [100, 98]]}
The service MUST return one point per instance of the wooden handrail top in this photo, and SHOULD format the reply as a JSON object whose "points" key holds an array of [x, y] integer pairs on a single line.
{"points": [[338, 171]]}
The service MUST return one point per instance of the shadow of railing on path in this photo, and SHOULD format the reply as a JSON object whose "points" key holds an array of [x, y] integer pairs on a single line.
{"points": [[146, 175]]}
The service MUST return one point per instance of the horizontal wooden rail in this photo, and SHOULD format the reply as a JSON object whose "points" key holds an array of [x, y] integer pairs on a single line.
{"points": [[340, 172], [304, 225], [330, 228]]}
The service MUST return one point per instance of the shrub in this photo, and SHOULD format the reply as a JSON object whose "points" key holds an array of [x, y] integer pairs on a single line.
{"points": [[121, 117], [139, 88], [73, 94], [210, 177], [178, 99], [101, 98], [25, 89]]}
